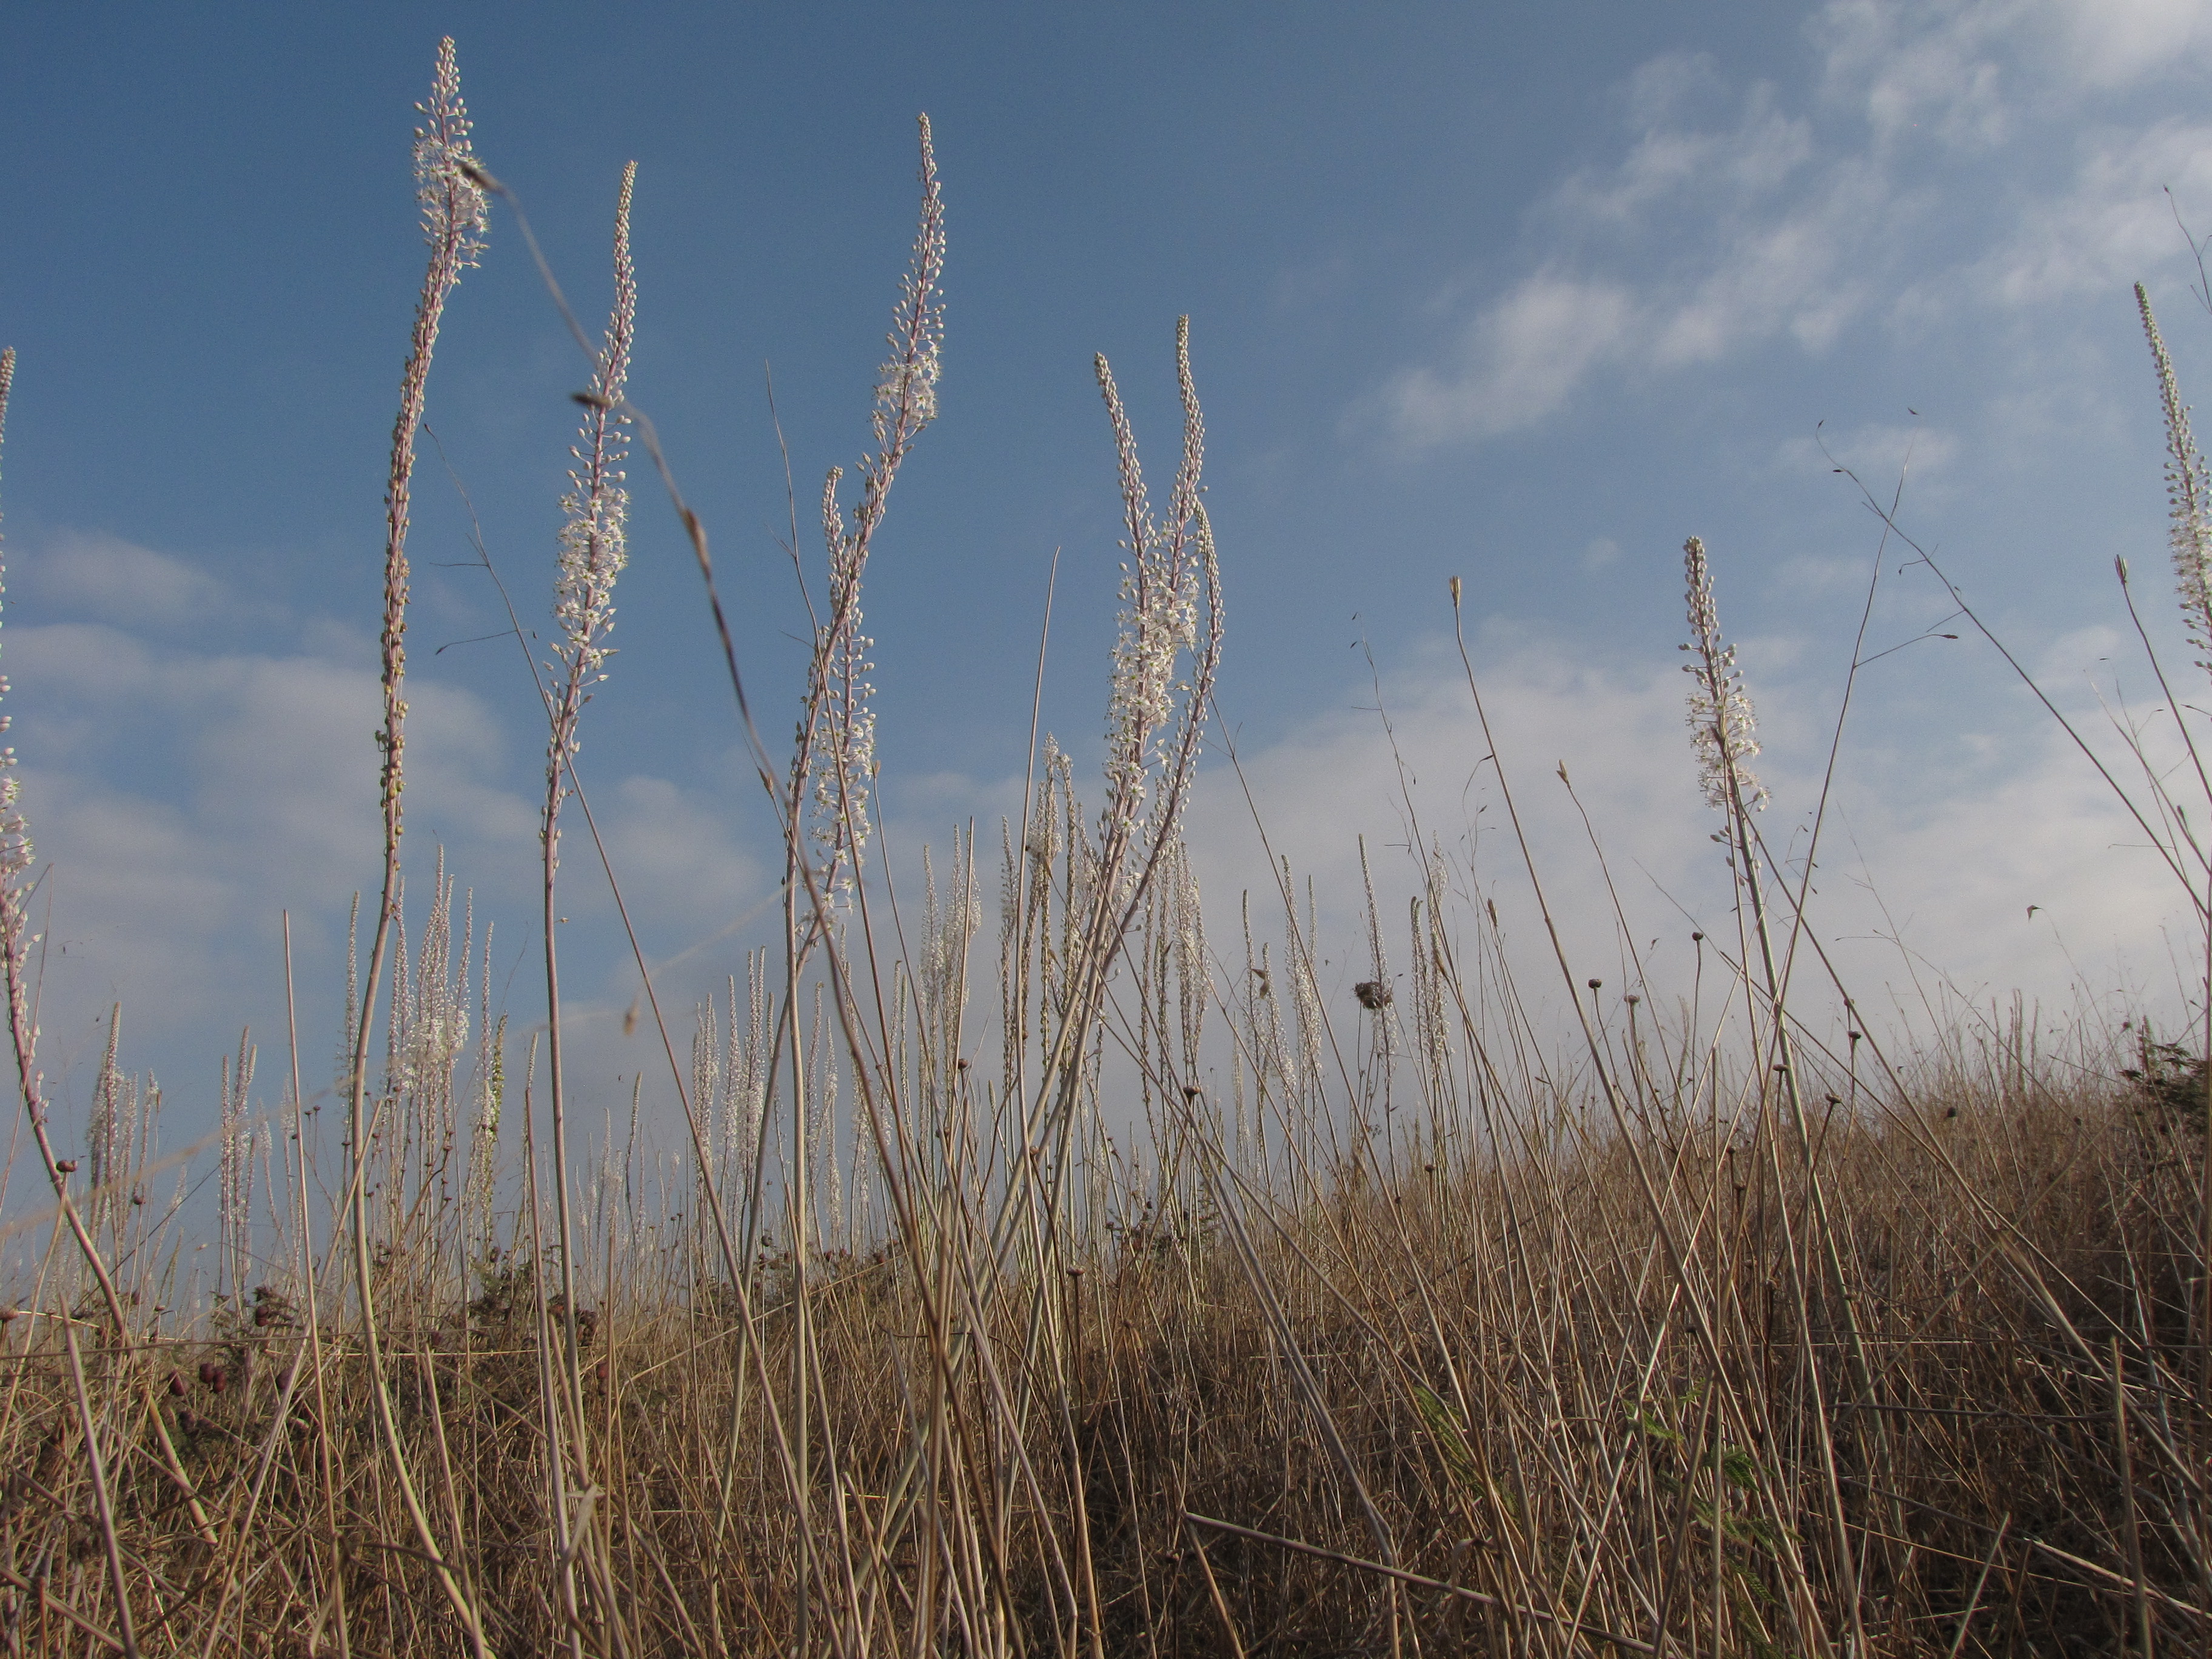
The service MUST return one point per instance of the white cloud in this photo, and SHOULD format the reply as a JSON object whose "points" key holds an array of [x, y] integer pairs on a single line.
{"points": [[1920, 67], [116, 581], [185, 797], [1668, 160], [1519, 362], [1957, 70], [1782, 275], [1772, 233], [1927, 872], [2114, 225], [677, 856], [1917, 184], [2116, 43]]}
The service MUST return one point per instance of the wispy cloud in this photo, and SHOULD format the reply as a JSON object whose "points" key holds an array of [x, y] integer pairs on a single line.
{"points": [[1707, 239], [1520, 361], [97, 575], [1926, 877], [2111, 224]]}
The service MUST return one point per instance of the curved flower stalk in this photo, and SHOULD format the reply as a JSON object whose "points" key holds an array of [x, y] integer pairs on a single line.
{"points": [[593, 551], [594, 548], [836, 764], [824, 802], [15, 859], [1722, 724], [2188, 494], [454, 222], [454, 219]]}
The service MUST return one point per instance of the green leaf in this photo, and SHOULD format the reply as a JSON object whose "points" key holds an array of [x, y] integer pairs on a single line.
{"points": [[1444, 1427], [1740, 1469]]}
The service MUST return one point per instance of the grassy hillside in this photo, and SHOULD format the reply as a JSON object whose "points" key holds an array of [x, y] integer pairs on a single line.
{"points": [[1037, 1276]]}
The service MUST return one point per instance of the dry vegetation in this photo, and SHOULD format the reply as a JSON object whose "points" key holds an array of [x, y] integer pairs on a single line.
{"points": [[1145, 1302]]}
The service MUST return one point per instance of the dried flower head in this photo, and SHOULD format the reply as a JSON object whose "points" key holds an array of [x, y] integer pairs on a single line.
{"points": [[1722, 724]]}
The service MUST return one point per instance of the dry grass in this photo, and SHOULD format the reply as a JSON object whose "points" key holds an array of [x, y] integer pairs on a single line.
{"points": [[1540, 1410], [1164, 1306]]}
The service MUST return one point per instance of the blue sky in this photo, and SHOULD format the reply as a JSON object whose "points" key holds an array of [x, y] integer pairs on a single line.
{"points": [[1523, 293]]}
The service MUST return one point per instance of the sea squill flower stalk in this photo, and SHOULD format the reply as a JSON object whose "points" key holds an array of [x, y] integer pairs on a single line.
{"points": [[2189, 499], [1156, 715], [16, 939], [16, 865], [593, 550], [825, 807], [838, 742], [454, 220], [1156, 710], [236, 1171], [1724, 732]]}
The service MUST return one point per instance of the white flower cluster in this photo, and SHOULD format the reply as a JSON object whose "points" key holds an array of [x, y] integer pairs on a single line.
{"points": [[594, 547], [453, 205], [2188, 493], [842, 754], [906, 389], [1722, 724], [14, 833], [837, 747], [235, 1170], [1162, 584]]}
